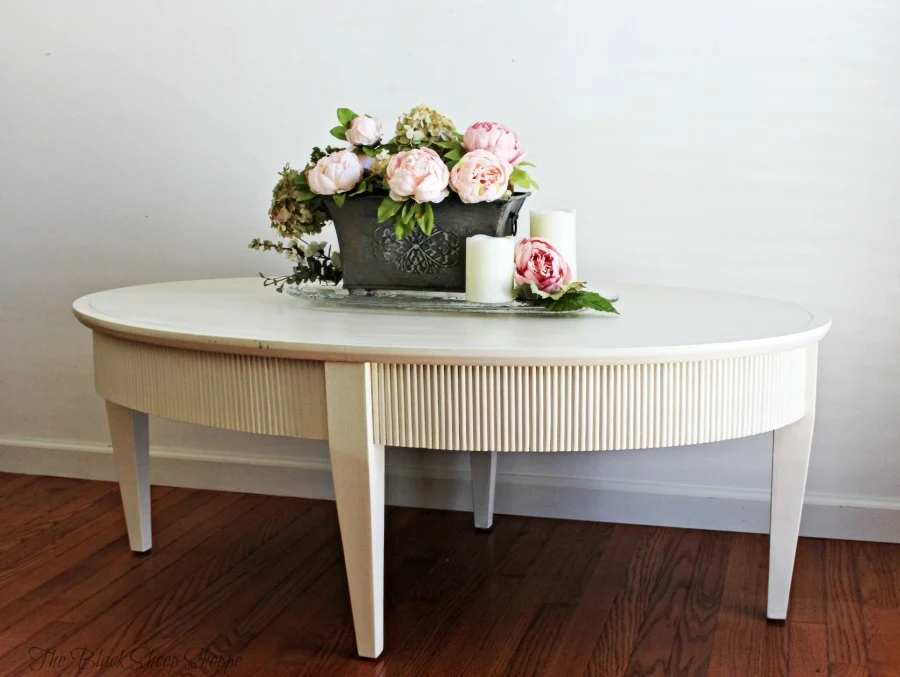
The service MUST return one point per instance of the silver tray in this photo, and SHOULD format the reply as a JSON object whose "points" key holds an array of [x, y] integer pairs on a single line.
{"points": [[412, 301]]}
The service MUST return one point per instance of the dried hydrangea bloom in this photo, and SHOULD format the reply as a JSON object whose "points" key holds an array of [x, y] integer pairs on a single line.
{"points": [[291, 217], [422, 126]]}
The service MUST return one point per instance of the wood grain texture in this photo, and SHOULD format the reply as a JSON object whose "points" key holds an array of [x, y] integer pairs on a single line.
{"points": [[739, 644], [883, 641], [846, 632], [260, 578], [692, 644], [808, 653], [845, 670]]}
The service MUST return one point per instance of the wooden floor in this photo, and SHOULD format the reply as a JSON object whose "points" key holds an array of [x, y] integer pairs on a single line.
{"points": [[250, 585]]}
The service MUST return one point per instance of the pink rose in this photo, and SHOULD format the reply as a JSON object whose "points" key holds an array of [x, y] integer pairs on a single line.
{"points": [[364, 131], [538, 262], [480, 176], [335, 173], [496, 138], [419, 174]]}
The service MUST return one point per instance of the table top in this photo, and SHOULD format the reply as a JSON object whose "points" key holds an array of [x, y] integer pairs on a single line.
{"points": [[657, 324]]}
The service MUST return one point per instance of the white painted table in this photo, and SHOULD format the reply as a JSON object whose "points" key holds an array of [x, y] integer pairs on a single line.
{"points": [[678, 367]]}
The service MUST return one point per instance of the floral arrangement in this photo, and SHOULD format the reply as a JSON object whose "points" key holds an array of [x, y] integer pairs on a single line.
{"points": [[425, 162]]}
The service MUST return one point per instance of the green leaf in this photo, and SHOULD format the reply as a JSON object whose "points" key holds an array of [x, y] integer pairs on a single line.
{"points": [[520, 178], [402, 230], [339, 199], [339, 133], [454, 155], [526, 164], [576, 300], [368, 151], [387, 209], [361, 187], [407, 213], [345, 115], [426, 223]]}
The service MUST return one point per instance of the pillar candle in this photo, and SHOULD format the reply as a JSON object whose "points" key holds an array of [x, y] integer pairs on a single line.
{"points": [[558, 228], [489, 269]]}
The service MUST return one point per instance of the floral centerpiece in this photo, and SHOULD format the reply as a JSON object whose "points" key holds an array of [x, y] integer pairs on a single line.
{"points": [[402, 209]]}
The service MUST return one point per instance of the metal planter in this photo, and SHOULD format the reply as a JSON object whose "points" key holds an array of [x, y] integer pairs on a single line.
{"points": [[373, 258]]}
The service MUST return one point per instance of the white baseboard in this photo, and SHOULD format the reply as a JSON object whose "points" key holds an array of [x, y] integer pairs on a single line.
{"points": [[676, 505]]}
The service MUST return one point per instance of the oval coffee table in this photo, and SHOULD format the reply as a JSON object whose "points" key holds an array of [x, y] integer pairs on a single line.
{"points": [[677, 367]]}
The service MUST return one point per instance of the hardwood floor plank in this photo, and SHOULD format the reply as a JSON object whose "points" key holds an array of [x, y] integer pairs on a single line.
{"points": [[626, 545], [883, 641], [569, 561], [875, 574], [558, 575], [845, 670], [29, 490], [93, 574], [483, 640], [39, 508], [808, 649], [739, 644], [40, 658], [262, 579], [846, 633], [419, 547], [465, 569], [776, 636], [533, 537], [315, 635], [242, 616], [653, 647], [172, 601], [33, 526], [13, 484], [127, 612], [807, 601], [530, 656], [612, 652], [693, 642], [102, 523]]}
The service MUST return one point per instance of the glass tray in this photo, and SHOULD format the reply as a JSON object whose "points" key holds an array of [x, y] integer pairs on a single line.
{"points": [[412, 301]]}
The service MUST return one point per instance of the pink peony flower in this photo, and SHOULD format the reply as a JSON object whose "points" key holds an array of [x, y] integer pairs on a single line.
{"points": [[480, 176], [538, 262], [335, 173], [419, 174], [364, 131], [496, 138]]}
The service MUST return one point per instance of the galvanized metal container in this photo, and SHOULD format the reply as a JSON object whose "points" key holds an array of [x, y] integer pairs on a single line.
{"points": [[373, 258]]}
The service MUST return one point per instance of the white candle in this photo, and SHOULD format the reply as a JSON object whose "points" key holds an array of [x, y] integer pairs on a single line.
{"points": [[489, 269], [558, 228]]}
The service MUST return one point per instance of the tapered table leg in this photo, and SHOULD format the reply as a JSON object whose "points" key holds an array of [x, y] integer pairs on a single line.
{"points": [[357, 467], [129, 432], [790, 462], [484, 479]]}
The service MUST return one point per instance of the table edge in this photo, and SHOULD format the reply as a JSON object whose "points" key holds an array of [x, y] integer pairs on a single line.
{"points": [[425, 355]]}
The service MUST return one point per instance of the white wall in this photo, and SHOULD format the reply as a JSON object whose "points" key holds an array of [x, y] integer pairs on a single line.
{"points": [[747, 146]]}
